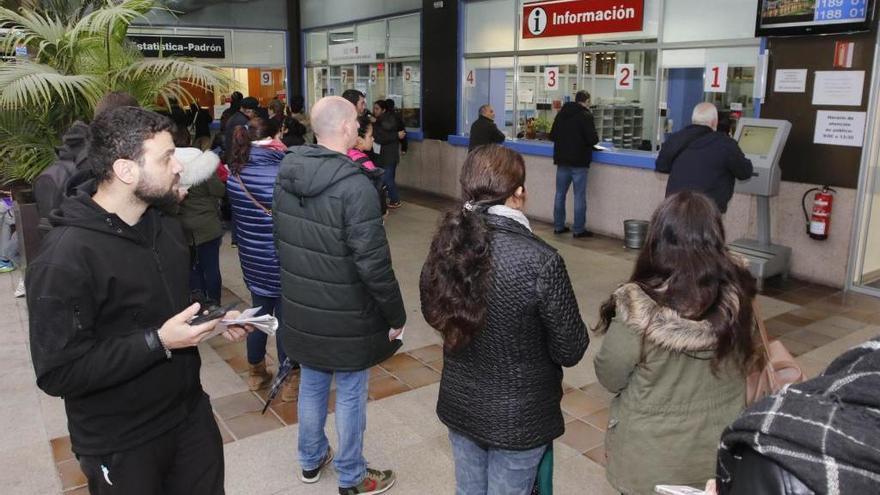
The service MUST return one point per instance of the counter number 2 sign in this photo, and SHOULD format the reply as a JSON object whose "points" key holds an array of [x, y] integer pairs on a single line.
{"points": [[624, 75], [470, 79], [715, 78], [551, 78]]}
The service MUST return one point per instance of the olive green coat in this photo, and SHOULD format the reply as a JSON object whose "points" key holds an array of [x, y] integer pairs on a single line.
{"points": [[669, 409]]}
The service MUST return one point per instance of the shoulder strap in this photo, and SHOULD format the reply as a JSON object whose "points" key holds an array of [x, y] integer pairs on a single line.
{"points": [[250, 196]]}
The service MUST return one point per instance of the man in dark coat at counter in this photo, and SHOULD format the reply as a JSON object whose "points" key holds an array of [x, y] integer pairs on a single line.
{"points": [[573, 135], [697, 158], [484, 130]]}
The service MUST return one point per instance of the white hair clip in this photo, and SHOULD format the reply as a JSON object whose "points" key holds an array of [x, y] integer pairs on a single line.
{"points": [[469, 206]]}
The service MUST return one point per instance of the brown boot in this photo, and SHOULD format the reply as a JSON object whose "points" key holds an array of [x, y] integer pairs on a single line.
{"points": [[258, 377], [290, 389]]}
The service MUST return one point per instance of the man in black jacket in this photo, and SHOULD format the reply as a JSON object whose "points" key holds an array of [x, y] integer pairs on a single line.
{"points": [[484, 130], [108, 304], [246, 111], [342, 306], [697, 158], [573, 135]]}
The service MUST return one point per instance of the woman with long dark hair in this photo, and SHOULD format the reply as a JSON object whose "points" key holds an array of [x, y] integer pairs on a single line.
{"points": [[255, 158], [678, 342], [503, 303]]}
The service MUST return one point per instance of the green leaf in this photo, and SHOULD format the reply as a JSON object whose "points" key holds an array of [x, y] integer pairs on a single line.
{"points": [[23, 83]]}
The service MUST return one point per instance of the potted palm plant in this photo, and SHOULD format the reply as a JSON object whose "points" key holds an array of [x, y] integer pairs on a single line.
{"points": [[68, 54]]}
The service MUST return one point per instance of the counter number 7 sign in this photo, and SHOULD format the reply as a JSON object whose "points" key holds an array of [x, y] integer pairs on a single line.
{"points": [[624, 74]]}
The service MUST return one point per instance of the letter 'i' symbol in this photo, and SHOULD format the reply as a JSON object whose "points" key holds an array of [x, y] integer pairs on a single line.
{"points": [[537, 21]]}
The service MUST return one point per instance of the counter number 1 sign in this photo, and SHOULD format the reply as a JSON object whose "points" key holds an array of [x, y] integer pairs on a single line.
{"points": [[715, 78], [551, 78], [470, 79], [624, 75]]}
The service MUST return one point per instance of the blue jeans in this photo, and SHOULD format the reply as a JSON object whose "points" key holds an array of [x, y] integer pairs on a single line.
{"points": [[566, 176], [388, 179], [351, 421], [481, 471], [256, 341], [204, 275]]}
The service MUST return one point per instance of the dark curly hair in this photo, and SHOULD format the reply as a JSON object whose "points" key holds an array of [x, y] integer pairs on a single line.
{"points": [[454, 283], [685, 266], [120, 133]]}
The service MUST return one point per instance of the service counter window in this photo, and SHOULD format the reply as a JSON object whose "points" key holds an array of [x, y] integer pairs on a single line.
{"points": [[546, 82], [380, 58], [623, 86], [684, 73], [488, 81]]}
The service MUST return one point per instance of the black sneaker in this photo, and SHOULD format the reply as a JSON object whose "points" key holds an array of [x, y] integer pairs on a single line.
{"points": [[578, 235], [561, 231], [313, 475], [375, 482]]}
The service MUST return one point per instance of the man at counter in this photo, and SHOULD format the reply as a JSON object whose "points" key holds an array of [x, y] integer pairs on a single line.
{"points": [[697, 158], [573, 135], [484, 130]]}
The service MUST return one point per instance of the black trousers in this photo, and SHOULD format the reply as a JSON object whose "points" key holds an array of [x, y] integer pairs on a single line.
{"points": [[188, 460]]}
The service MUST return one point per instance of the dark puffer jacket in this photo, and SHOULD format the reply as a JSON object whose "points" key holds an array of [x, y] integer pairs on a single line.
{"points": [[340, 295], [256, 244], [503, 389]]}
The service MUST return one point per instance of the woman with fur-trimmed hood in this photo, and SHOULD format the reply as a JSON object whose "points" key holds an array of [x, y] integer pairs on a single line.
{"points": [[678, 341]]}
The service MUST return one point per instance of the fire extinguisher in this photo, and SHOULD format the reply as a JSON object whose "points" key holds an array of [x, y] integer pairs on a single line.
{"points": [[819, 221]]}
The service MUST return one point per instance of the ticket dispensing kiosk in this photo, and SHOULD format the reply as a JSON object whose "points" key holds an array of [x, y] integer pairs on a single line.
{"points": [[762, 141]]}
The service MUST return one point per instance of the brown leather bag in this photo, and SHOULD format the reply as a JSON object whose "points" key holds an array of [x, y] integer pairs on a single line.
{"points": [[777, 368]]}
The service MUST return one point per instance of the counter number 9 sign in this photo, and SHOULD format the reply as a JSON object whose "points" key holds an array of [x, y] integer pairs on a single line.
{"points": [[624, 75]]}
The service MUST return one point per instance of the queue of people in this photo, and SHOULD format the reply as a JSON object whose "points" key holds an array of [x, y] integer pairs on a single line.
{"points": [[117, 340]]}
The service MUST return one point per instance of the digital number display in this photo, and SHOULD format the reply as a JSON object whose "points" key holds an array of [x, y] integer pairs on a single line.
{"points": [[789, 15]]}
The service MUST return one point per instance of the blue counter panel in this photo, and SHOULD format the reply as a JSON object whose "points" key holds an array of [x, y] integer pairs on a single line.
{"points": [[634, 159]]}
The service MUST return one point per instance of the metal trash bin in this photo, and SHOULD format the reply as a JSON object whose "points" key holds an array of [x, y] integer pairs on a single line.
{"points": [[634, 233]]}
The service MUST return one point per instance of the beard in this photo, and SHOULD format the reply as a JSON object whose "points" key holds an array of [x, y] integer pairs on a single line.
{"points": [[154, 195]]}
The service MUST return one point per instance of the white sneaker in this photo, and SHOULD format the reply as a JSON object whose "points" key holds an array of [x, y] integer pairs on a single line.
{"points": [[19, 291]]}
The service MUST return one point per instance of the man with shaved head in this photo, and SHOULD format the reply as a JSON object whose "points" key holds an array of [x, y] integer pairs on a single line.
{"points": [[697, 158], [343, 311]]}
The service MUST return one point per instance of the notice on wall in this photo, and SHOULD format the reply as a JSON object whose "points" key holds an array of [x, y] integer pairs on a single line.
{"points": [[790, 81], [840, 128], [715, 78], [839, 87], [623, 76], [551, 78], [526, 96]]}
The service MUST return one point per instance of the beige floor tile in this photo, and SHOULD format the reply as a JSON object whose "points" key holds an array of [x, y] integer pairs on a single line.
{"points": [[579, 404], [581, 436]]}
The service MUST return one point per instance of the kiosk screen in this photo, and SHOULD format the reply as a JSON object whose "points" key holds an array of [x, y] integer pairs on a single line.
{"points": [[757, 140]]}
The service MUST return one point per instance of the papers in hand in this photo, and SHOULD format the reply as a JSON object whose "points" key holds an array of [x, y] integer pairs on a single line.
{"points": [[677, 490], [267, 324]]}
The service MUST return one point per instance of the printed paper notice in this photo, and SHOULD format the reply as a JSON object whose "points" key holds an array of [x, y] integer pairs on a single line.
{"points": [[839, 87], [790, 81], [840, 128]]}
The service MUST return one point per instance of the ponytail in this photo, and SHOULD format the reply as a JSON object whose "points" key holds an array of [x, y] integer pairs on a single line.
{"points": [[240, 151], [455, 278]]}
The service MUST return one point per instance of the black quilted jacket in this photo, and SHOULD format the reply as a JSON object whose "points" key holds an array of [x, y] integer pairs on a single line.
{"points": [[503, 389]]}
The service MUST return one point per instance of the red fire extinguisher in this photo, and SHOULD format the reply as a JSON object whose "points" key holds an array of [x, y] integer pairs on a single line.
{"points": [[819, 221]]}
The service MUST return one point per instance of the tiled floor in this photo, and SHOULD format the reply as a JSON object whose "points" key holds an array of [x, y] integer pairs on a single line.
{"points": [[816, 323]]}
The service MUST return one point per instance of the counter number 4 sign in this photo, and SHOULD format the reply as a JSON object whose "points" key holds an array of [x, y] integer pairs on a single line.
{"points": [[715, 78], [470, 79], [551, 78], [624, 74]]}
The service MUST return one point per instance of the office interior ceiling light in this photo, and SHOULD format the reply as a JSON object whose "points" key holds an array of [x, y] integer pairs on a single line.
{"points": [[187, 6]]}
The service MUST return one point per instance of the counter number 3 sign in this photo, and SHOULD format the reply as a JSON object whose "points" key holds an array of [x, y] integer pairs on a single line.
{"points": [[624, 75], [470, 79], [551, 78], [715, 78]]}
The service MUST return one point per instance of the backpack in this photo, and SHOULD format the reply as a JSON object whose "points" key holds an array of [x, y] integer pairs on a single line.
{"points": [[375, 176]]}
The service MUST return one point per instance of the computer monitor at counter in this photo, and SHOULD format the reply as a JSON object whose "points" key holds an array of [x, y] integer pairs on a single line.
{"points": [[762, 141]]}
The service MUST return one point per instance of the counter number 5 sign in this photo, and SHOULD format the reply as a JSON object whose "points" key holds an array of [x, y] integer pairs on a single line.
{"points": [[715, 78], [551, 78], [624, 74], [470, 79]]}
